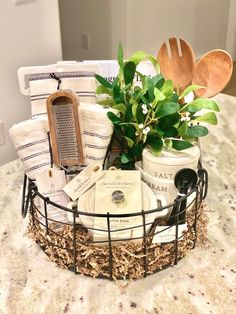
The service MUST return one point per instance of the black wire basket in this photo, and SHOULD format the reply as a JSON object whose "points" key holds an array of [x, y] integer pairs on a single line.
{"points": [[71, 245]]}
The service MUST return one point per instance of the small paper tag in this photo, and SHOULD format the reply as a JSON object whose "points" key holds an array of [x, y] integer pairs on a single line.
{"points": [[83, 181], [50, 184], [168, 235]]}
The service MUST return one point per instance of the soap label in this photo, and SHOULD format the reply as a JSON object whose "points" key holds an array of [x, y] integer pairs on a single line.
{"points": [[118, 192], [83, 181], [50, 184], [168, 235]]}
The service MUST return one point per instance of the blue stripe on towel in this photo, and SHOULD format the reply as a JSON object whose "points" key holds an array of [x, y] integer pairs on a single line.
{"points": [[44, 76], [95, 146], [31, 144], [35, 155], [37, 166], [94, 158], [104, 137]]}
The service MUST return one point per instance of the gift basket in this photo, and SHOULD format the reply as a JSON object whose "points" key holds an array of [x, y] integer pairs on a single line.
{"points": [[114, 185]]}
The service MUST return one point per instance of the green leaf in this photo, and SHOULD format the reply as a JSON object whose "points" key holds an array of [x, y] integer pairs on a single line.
{"points": [[183, 128], [124, 158], [168, 121], [167, 109], [103, 81], [180, 145], [126, 87], [120, 107], [117, 94], [158, 131], [129, 141], [168, 143], [167, 88], [128, 130], [139, 56], [109, 102], [140, 93], [128, 114], [113, 118], [171, 132], [136, 151], [155, 144], [202, 103], [175, 97], [134, 108], [103, 90], [140, 115], [142, 79], [129, 72], [197, 131], [158, 81], [135, 125], [150, 87], [144, 100], [189, 139], [159, 96], [120, 56], [209, 117], [189, 89]]}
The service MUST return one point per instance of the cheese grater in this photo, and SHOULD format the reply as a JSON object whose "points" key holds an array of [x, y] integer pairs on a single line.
{"points": [[65, 133]]}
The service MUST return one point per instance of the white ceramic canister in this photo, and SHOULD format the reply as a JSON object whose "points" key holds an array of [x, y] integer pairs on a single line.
{"points": [[165, 167]]}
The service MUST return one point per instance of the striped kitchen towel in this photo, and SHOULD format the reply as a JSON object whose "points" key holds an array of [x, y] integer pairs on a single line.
{"points": [[30, 140], [83, 83], [96, 130]]}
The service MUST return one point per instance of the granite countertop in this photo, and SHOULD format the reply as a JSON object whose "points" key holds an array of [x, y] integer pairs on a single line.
{"points": [[203, 282]]}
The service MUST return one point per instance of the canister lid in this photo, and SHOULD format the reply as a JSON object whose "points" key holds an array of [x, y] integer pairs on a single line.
{"points": [[173, 157]]}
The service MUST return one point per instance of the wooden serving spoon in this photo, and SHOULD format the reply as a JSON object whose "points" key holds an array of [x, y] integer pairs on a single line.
{"points": [[178, 64], [213, 70]]}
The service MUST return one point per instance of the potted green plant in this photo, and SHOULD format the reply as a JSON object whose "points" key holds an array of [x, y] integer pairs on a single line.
{"points": [[152, 115]]}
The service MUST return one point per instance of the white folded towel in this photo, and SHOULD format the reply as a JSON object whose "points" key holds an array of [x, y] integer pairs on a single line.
{"points": [[97, 130], [83, 83], [31, 142]]}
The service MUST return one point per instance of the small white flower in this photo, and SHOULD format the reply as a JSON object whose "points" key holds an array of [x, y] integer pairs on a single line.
{"points": [[144, 107], [146, 130], [185, 116], [141, 125], [136, 133]]}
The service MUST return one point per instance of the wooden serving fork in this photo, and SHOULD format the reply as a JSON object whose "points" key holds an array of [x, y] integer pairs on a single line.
{"points": [[177, 62]]}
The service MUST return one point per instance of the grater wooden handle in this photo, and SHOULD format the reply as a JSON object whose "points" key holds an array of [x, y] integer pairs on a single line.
{"points": [[64, 126]]}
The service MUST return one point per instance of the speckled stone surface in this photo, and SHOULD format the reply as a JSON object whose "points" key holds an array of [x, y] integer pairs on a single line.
{"points": [[203, 282]]}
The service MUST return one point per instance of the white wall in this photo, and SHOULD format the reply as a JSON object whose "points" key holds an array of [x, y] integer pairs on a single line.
{"points": [[29, 35], [103, 20], [201, 22], [119, 16], [141, 24]]}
